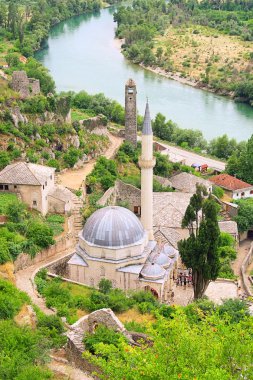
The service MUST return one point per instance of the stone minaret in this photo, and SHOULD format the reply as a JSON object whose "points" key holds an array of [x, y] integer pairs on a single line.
{"points": [[131, 112], [146, 163]]}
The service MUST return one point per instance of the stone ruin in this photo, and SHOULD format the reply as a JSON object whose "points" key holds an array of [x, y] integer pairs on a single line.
{"points": [[25, 86], [87, 324]]}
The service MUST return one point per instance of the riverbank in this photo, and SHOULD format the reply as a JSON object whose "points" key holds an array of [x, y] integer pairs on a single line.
{"points": [[177, 76]]}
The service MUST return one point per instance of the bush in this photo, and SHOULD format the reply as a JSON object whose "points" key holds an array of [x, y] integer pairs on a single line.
{"points": [[40, 234], [102, 335], [218, 192], [4, 159], [11, 300], [105, 286], [236, 309], [4, 251]]}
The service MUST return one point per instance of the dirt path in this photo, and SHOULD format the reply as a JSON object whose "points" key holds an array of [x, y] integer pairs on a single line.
{"points": [[24, 280], [74, 178]]}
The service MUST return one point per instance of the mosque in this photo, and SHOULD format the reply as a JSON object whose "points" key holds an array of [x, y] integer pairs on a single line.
{"points": [[116, 245]]}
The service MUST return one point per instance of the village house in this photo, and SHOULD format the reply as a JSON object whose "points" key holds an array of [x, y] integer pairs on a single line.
{"points": [[234, 187], [35, 184]]}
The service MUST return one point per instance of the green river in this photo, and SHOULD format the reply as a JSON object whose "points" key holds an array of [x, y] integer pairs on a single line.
{"points": [[82, 54]]}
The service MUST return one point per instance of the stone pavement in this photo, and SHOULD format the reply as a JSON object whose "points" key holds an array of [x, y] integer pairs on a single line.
{"points": [[24, 280], [217, 291]]}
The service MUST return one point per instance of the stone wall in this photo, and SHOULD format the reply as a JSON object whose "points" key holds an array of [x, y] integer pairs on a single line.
{"points": [[246, 262], [62, 244], [128, 193], [25, 86], [92, 123], [122, 192], [87, 324]]}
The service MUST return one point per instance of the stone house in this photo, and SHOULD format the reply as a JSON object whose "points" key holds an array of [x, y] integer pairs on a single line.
{"points": [[233, 187], [33, 182]]}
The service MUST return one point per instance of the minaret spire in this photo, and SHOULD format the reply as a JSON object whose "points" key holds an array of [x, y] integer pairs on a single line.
{"points": [[146, 163]]}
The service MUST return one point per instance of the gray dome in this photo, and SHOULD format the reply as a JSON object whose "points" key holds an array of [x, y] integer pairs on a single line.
{"points": [[170, 251], [152, 271], [113, 226], [160, 258]]}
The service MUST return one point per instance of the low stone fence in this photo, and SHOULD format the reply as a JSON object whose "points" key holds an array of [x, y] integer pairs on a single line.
{"points": [[246, 262], [64, 243]]}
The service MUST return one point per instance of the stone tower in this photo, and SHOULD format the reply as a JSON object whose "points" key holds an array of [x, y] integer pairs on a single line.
{"points": [[131, 112], [146, 163]]}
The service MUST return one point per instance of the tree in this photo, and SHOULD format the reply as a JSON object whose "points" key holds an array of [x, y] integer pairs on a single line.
{"points": [[200, 251], [163, 166], [244, 217], [105, 285], [241, 163]]}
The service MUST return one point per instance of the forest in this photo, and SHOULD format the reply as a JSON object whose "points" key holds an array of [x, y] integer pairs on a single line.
{"points": [[28, 22]]}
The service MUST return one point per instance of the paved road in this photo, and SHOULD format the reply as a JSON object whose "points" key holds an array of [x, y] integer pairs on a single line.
{"points": [[177, 154]]}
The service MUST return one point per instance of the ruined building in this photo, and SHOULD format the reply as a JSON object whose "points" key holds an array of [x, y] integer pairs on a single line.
{"points": [[25, 86], [131, 112]]}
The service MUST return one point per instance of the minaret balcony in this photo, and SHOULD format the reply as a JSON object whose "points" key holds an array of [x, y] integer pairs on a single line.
{"points": [[147, 164]]}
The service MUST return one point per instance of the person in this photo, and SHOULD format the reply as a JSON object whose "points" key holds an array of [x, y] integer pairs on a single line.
{"points": [[185, 280], [181, 278]]}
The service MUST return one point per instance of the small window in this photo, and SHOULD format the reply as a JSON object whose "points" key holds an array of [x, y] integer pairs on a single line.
{"points": [[6, 187], [34, 203], [46, 183], [242, 194], [15, 186], [251, 191], [51, 177], [43, 187], [1, 187]]}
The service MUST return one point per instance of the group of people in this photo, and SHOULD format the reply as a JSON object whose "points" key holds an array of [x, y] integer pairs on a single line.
{"points": [[184, 278]]}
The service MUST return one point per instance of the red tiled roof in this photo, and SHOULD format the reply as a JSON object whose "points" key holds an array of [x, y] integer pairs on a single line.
{"points": [[229, 182]]}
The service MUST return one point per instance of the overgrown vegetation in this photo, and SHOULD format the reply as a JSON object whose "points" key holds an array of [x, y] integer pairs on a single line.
{"points": [[25, 231], [24, 349], [240, 163], [194, 342], [244, 218]]}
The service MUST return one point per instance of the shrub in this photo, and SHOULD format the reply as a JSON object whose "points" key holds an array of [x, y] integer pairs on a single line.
{"points": [[105, 286], [218, 192], [102, 335], [4, 251], [40, 234], [4, 159]]}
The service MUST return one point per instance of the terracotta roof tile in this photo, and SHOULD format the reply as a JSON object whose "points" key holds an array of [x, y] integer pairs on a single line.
{"points": [[229, 182]]}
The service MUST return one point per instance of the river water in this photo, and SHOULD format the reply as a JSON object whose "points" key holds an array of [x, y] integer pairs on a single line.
{"points": [[82, 54]]}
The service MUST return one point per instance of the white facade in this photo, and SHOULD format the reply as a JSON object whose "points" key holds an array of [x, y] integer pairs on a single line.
{"points": [[243, 193]]}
